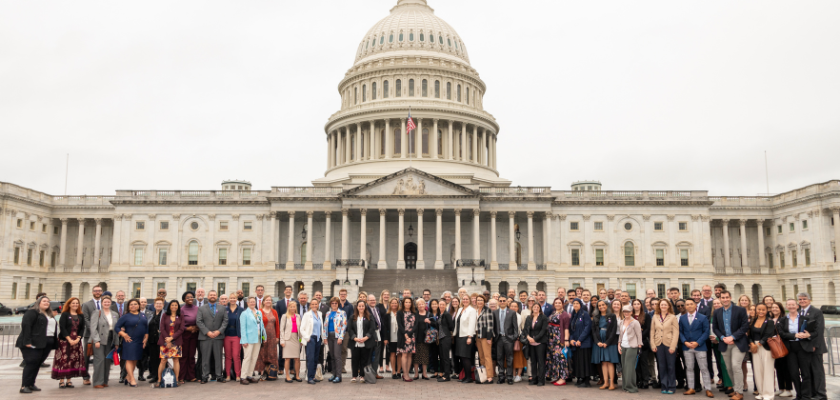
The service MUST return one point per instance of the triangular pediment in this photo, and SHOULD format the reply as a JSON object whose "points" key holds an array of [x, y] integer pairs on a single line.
{"points": [[410, 182]]}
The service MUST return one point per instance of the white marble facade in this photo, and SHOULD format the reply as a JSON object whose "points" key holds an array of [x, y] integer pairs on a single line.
{"points": [[379, 198]]}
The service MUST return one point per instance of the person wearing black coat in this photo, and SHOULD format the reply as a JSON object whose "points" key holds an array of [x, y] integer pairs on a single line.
{"points": [[38, 336], [445, 329], [361, 341], [536, 331], [384, 331]]}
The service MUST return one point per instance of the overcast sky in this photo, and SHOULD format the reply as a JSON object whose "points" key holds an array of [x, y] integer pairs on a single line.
{"points": [[640, 95]]}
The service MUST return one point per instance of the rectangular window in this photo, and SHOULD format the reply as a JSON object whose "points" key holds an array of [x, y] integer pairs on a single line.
{"points": [[140, 225], [631, 290], [162, 256], [792, 227], [808, 289], [222, 256], [807, 257], [575, 285], [52, 259], [399, 87], [599, 256], [573, 226], [246, 256], [26, 290], [600, 286], [29, 257], [135, 290], [44, 228], [246, 289], [804, 224], [223, 225], [683, 226], [795, 290], [20, 223], [164, 225], [31, 226], [793, 262], [770, 260], [575, 257], [660, 257], [686, 291], [780, 229], [14, 290], [55, 230], [599, 226], [684, 257], [767, 231], [660, 290], [782, 259], [40, 288], [17, 255], [220, 288], [161, 285], [138, 256], [191, 287], [247, 226], [784, 291], [41, 256], [657, 226]]}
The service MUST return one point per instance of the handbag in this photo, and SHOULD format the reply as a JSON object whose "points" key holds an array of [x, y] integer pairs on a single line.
{"points": [[480, 371], [89, 350], [431, 335], [272, 373], [777, 347], [370, 374], [167, 378]]}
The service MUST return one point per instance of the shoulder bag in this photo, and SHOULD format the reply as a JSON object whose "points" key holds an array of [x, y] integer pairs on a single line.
{"points": [[777, 347]]}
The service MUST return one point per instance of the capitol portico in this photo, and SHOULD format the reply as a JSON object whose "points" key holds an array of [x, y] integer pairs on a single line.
{"points": [[427, 208]]}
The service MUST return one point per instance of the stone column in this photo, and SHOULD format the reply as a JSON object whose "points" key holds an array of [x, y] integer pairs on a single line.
{"points": [[363, 237], [345, 237], [150, 248], [329, 150], [707, 239], [439, 238], [62, 244], [725, 224], [96, 241], [549, 254], [418, 139], [401, 238], [358, 155], [464, 150], [531, 263], [79, 244], [347, 144], [389, 144], [457, 234], [272, 231], [476, 233], [494, 264], [485, 149], [562, 257], [373, 154], [761, 261], [512, 237], [433, 140], [382, 264], [475, 145], [744, 259], [403, 140], [835, 212], [420, 262], [290, 250], [327, 240], [449, 144], [672, 245], [309, 240]]}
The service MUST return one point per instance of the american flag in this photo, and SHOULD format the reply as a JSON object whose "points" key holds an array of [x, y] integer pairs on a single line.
{"points": [[409, 125]]}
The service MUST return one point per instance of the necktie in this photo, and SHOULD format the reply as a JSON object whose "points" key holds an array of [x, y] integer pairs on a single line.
{"points": [[502, 322], [690, 318], [98, 307], [213, 306], [120, 307]]}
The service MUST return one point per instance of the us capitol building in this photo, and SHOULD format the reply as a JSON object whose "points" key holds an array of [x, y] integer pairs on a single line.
{"points": [[424, 210]]}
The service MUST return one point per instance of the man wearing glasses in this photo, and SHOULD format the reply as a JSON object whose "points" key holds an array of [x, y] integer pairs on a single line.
{"points": [[90, 306]]}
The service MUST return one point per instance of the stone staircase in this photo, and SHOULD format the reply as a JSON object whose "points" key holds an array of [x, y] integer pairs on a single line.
{"points": [[395, 280]]}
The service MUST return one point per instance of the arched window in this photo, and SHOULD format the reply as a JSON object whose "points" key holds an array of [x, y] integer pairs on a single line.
{"points": [[193, 253], [456, 44], [437, 89], [381, 39], [399, 88], [385, 89], [411, 36], [467, 93], [373, 92], [397, 142], [458, 93], [366, 45], [391, 38], [448, 40], [448, 90], [401, 36], [440, 38], [355, 95], [425, 143], [364, 93], [422, 38], [425, 88], [411, 88], [629, 255]]}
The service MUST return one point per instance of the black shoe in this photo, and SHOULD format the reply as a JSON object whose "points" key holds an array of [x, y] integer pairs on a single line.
{"points": [[221, 380], [310, 382], [153, 380], [244, 382], [25, 390], [141, 378], [203, 381], [656, 385], [510, 382], [500, 381], [468, 381], [122, 380], [532, 383], [395, 376], [579, 383], [34, 388], [45, 365], [541, 384], [586, 384], [455, 377]]}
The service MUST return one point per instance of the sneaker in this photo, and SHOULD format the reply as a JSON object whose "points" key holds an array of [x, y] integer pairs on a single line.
{"points": [[517, 379], [786, 393]]}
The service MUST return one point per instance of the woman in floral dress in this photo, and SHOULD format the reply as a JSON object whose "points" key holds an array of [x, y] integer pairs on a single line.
{"points": [[406, 318], [69, 357], [557, 368]]}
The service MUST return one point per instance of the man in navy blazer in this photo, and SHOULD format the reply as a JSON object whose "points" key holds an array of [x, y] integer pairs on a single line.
{"points": [[730, 326], [694, 332]]}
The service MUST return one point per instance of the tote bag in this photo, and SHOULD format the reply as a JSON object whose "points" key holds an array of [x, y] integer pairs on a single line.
{"points": [[777, 348]]}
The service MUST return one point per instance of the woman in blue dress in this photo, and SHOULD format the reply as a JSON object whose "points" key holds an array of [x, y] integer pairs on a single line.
{"points": [[580, 333], [133, 338], [605, 352]]}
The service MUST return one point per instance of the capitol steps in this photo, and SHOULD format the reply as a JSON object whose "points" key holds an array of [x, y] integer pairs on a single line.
{"points": [[395, 280]]}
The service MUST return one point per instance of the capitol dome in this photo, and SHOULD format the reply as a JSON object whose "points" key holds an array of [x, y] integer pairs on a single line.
{"points": [[412, 27], [411, 61]]}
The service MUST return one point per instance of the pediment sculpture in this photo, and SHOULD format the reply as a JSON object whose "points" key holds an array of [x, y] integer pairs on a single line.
{"points": [[408, 187]]}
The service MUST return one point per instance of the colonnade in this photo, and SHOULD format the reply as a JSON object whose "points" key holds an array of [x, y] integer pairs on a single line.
{"points": [[459, 141]]}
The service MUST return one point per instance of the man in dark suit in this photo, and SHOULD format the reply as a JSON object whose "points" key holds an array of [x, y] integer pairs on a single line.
{"points": [[812, 341], [730, 326], [376, 315], [705, 306], [507, 332], [212, 319]]}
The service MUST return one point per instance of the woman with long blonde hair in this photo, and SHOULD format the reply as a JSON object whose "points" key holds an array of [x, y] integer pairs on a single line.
{"points": [[290, 340]]}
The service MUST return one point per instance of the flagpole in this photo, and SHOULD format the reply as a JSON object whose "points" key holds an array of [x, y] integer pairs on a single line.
{"points": [[409, 138]]}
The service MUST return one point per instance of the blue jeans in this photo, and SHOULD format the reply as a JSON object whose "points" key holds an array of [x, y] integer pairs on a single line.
{"points": [[667, 374], [313, 348]]}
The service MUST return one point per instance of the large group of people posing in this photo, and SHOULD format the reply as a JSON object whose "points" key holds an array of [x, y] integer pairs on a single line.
{"points": [[700, 345]]}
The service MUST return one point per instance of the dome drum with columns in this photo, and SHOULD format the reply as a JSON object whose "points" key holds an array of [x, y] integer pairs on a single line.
{"points": [[411, 58]]}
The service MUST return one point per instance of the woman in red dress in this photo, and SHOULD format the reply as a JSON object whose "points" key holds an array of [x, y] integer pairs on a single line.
{"points": [[69, 357]]}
